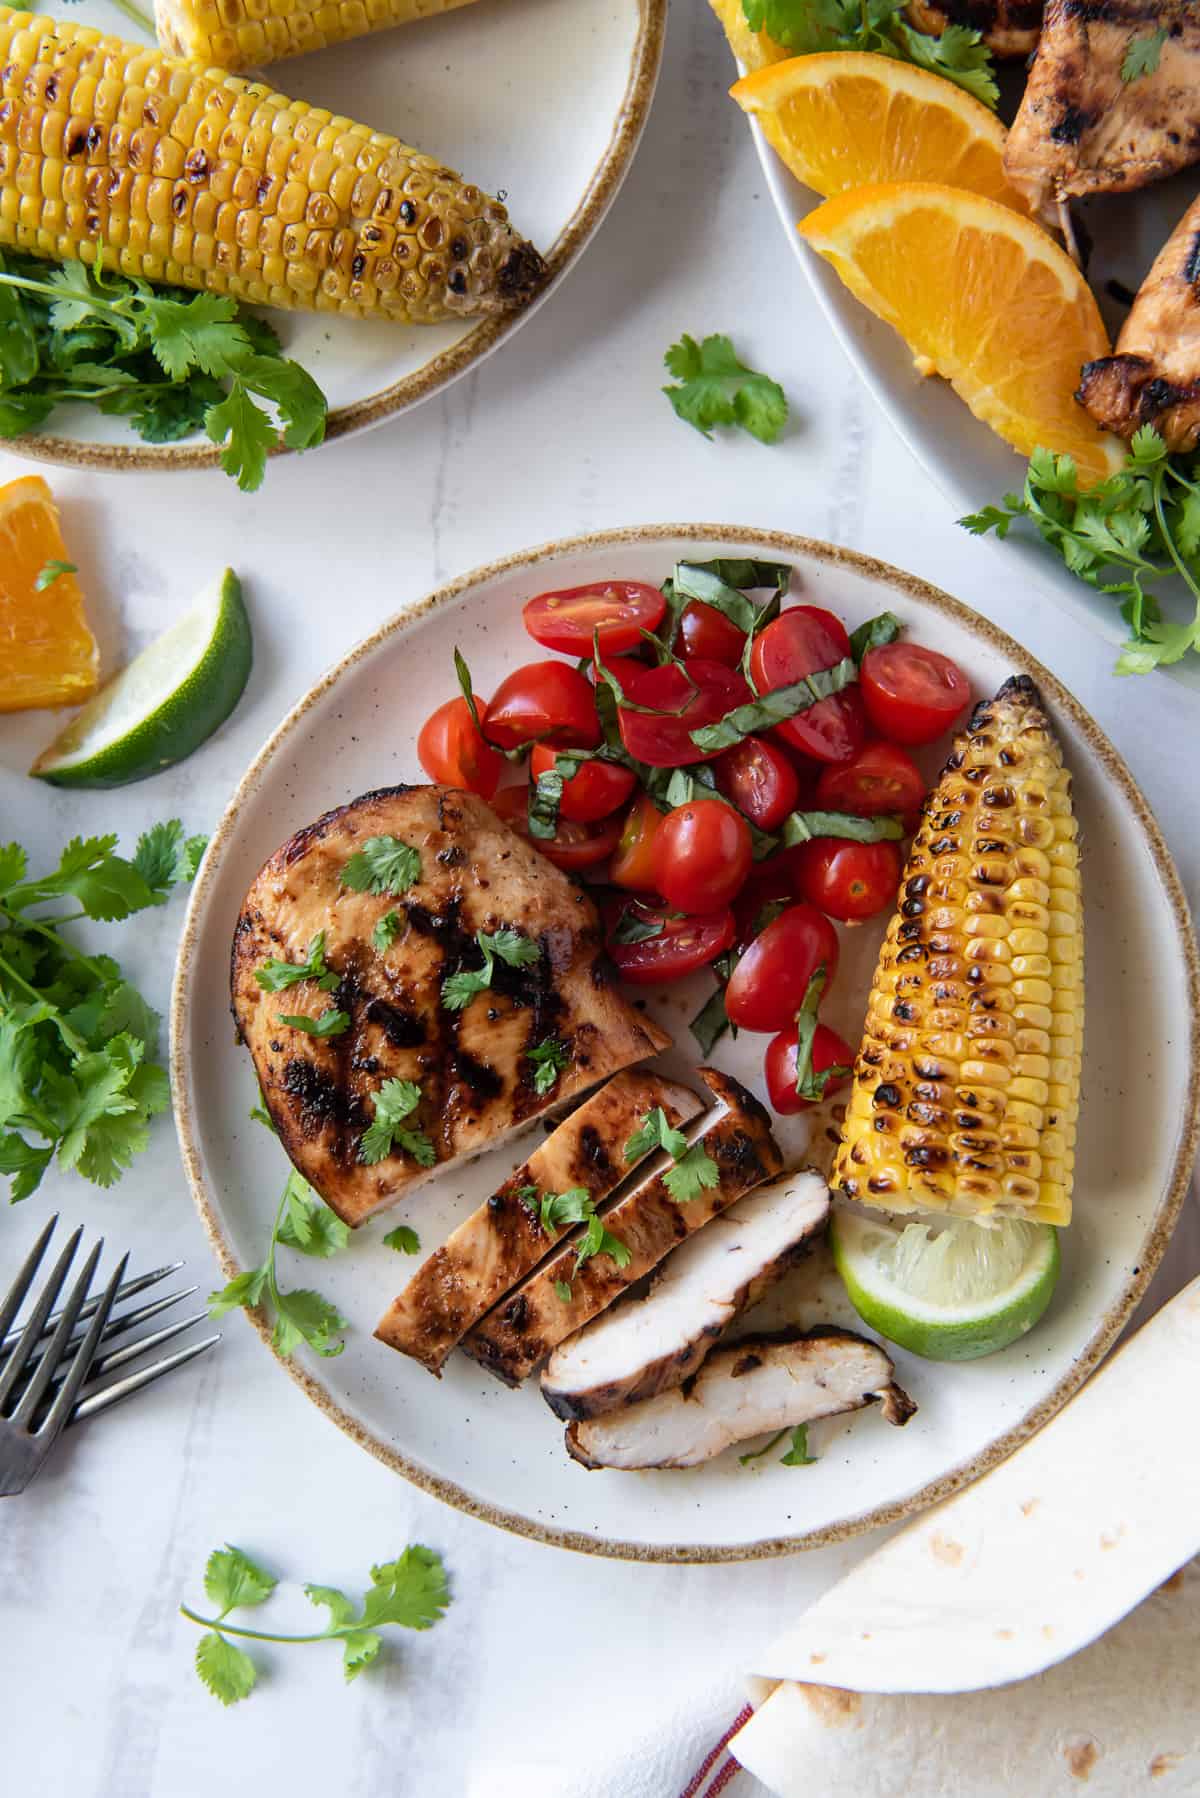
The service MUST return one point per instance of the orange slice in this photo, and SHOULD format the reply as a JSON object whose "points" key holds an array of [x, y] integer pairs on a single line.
{"points": [[48, 655], [981, 296], [752, 48], [846, 119]]}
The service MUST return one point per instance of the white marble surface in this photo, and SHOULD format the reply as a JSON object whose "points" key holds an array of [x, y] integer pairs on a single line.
{"points": [[547, 1661]]}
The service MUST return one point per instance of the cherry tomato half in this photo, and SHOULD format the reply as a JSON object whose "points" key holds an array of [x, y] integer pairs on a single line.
{"points": [[912, 694], [453, 753], [679, 948], [760, 780], [881, 778], [829, 1050], [802, 640], [633, 859], [662, 737], [595, 790], [702, 855], [767, 987], [848, 880], [616, 611], [772, 884], [707, 633], [540, 700], [573, 846]]}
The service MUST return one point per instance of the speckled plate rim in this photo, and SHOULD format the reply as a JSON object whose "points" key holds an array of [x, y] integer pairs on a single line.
{"points": [[773, 544], [441, 370]]}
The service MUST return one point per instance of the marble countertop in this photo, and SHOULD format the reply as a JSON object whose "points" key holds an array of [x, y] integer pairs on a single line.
{"points": [[545, 1657]]}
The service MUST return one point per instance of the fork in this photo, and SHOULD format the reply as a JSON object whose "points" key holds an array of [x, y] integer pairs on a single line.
{"points": [[49, 1370]]}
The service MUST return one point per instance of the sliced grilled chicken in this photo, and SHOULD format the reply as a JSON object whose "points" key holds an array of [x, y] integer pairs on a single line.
{"points": [[560, 1297], [1154, 377], [476, 1078], [504, 1239], [759, 1384], [647, 1345], [1082, 128], [1008, 27]]}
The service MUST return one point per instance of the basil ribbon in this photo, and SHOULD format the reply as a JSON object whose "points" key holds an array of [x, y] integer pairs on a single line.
{"points": [[773, 708], [875, 632], [803, 827], [809, 1085]]}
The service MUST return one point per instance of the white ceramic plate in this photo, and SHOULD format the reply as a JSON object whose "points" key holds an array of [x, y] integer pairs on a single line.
{"points": [[541, 99], [968, 462], [499, 1453]]}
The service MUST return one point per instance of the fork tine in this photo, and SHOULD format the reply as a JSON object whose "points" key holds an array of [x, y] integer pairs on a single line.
{"points": [[68, 1392], [128, 1320], [106, 1364], [37, 1321], [56, 1352], [112, 1395], [20, 1286], [127, 1291]]}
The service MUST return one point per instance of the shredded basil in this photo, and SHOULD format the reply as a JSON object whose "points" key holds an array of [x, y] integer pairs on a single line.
{"points": [[468, 691], [802, 827], [876, 631], [809, 1085], [544, 801], [697, 781], [632, 929], [718, 584], [773, 708]]}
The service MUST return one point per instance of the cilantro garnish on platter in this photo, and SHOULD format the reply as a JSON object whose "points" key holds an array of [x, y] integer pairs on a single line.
{"points": [[806, 27], [304, 1222], [715, 388], [508, 946]]}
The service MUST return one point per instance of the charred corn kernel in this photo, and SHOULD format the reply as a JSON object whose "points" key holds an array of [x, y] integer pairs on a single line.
{"points": [[248, 34], [971, 1106], [176, 170]]}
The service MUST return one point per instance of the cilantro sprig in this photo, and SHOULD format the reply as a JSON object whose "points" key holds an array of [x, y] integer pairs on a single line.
{"points": [[395, 1101], [714, 387], [170, 361], [383, 865], [694, 1170], [808, 26], [410, 1592], [276, 976], [303, 1222], [797, 1454], [550, 1059], [1143, 53], [559, 1211], [508, 946], [79, 1078]]}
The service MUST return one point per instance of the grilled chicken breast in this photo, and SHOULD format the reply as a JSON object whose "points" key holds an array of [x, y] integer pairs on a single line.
{"points": [[647, 1345], [505, 1238], [1154, 377], [514, 1338], [477, 1082], [1008, 27], [759, 1384], [1082, 128]]}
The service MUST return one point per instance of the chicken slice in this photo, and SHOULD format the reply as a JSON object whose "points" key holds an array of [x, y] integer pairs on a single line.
{"points": [[1082, 127], [560, 1297], [1154, 376], [647, 1345], [1008, 27], [761, 1383], [473, 1067], [504, 1239]]}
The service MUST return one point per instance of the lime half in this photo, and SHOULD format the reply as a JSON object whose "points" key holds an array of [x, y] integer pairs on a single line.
{"points": [[945, 1287], [167, 702]]}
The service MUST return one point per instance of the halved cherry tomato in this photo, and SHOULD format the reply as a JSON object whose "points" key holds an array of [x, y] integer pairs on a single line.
{"points": [[760, 780], [573, 846], [707, 633], [881, 778], [829, 1050], [771, 884], [912, 694], [453, 753], [679, 948], [801, 641], [595, 790], [543, 699], [616, 611], [767, 987], [848, 880], [664, 740], [702, 855], [633, 860]]}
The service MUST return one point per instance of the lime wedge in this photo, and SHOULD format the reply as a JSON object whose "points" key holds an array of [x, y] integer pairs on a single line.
{"points": [[945, 1287], [167, 702]]}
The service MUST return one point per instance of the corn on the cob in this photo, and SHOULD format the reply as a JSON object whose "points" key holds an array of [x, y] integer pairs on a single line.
{"points": [[201, 179], [966, 1088], [248, 34]]}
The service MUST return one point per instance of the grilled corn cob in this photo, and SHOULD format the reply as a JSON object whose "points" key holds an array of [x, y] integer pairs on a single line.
{"points": [[966, 1088], [204, 180], [248, 34]]}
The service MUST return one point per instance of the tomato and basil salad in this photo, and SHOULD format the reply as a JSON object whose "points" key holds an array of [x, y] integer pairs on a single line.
{"points": [[735, 772]]}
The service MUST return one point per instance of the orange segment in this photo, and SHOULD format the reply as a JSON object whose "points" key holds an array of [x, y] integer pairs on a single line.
{"points": [[846, 119], [48, 655], [752, 48], [981, 296]]}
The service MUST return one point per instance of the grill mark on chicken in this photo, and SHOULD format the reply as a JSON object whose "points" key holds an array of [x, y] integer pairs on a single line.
{"points": [[403, 1029]]}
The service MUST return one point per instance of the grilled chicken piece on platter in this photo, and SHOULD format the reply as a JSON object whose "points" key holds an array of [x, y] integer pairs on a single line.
{"points": [[1008, 27], [390, 948]]}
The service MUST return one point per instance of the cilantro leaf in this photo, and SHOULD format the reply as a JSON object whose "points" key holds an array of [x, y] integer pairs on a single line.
{"points": [[227, 1671], [411, 1591], [276, 976], [692, 1174], [564, 1291], [232, 1580], [385, 932], [247, 433], [559, 1210], [304, 1222], [511, 947], [342, 1610], [330, 1023], [304, 1316], [516, 950], [809, 26], [596, 1240], [307, 1223], [166, 858], [798, 1455], [655, 1132], [550, 1059], [716, 388], [1143, 53], [382, 865], [403, 1239], [245, 1289], [394, 1101], [359, 1649]]}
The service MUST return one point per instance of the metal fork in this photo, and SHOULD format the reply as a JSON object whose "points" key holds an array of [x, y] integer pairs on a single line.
{"points": [[42, 1388]]}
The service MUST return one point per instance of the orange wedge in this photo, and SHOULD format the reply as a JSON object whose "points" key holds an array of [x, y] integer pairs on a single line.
{"points": [[981, 296], [752, 48], [48, 655], [846, 119]]}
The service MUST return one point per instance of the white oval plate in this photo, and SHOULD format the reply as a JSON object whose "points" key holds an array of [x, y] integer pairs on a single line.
{"points": [[502, 91], [966, 460], [498, 1453]]}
